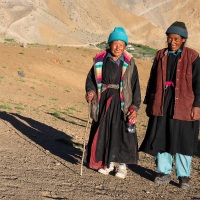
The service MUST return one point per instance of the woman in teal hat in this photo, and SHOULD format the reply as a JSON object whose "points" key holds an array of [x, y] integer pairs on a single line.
{"points": [[112, 87], [173, 107]]}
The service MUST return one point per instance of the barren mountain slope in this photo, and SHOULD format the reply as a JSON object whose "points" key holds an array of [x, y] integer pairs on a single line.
{"points": [[80, 22], [163, 13]]}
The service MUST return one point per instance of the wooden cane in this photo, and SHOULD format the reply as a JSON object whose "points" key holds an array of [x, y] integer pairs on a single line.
{"points": [[88, 121]]}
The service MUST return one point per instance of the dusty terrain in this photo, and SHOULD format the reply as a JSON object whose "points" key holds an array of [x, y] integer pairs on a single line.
{"points": [[43, 117]]}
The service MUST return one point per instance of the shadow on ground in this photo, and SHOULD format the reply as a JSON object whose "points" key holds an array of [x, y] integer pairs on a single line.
{"points": [[72, 119], [143, 172], [147, 173], [46, 136]]}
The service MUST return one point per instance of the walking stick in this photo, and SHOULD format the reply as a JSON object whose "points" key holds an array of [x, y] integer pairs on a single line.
{"points": [[88, 121]]}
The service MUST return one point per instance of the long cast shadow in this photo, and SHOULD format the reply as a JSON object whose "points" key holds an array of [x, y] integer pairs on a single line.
{"points": [[147, 173], [143, 172], [45, 136], [69, 121]]}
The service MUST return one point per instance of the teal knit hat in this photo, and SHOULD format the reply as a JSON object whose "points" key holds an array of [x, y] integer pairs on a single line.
{"points": [[118, 34]]}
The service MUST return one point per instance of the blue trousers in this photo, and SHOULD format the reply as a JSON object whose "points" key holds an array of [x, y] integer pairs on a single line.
{"points": [[182, 164]]}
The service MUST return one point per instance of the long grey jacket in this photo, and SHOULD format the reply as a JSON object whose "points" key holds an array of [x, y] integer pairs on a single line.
{"points": [[130, 90]]}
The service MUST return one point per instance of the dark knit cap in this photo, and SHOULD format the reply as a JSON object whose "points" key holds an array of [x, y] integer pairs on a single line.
{"points": [[178, 28]]}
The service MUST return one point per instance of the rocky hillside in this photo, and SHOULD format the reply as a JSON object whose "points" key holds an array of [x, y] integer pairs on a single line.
{"points": [[83, 22]]}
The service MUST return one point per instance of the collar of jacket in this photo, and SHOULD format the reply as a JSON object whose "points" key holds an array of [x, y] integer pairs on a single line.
{"points": [[166, 52], [116, 61]]}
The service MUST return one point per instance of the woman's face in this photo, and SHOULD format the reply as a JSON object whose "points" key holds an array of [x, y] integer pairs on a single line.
{"points": [[117, 47], [175, 41]]}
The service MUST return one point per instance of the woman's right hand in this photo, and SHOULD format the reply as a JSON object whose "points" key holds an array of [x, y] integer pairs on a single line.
{"points": [[195, 114], [90, 96]]}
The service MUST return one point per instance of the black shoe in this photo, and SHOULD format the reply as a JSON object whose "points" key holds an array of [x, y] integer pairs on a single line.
{"points": [[184, 182], [162, 178]]}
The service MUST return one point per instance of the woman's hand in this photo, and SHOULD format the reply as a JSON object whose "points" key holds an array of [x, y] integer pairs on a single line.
{"points": [[195, 114], [132, 116], [90, 96]]}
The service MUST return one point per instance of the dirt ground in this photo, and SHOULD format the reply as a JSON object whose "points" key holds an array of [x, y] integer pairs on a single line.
{"points": [[43, 117]]}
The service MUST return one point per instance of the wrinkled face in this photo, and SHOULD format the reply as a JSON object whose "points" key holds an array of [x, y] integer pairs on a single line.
{"points": [[117, 47], [175, 41]]}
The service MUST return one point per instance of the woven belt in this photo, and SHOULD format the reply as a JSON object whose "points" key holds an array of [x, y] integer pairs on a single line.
{"points": [[110, 86]]}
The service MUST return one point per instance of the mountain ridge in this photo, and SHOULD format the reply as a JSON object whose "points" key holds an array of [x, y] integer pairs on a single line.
{"points": [[78, 22]]}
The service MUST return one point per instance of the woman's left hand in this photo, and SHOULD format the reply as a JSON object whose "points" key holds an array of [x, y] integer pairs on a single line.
{"points": [[195, 114], [132, 116]]}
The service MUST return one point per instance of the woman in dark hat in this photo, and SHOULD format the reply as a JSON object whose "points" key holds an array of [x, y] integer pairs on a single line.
{"points": [[112, 86], [173, 107]]}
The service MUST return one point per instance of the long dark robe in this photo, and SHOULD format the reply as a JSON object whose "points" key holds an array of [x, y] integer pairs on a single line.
{"points": [[108, 141], [165, 134]]}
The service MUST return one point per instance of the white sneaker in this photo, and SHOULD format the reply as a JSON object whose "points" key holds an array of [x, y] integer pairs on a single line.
{"points": [[106, 170], [122, 172]]}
